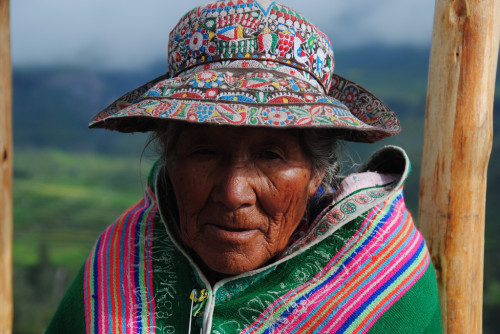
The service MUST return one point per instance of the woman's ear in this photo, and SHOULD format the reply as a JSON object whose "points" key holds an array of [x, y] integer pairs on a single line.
{"points": [[315, 182]]}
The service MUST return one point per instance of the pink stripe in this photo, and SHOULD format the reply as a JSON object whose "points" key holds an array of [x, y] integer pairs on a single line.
{"points": [[123, 262], [113, 287], [365, 292], [149, 273], [422, 267], [87, 292], [145, 269], [111, 307], [361, 259], [129, 269], [102, 305], [369, 289]]}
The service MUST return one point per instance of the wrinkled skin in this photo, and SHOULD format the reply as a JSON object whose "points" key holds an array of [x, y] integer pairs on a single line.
{"points": [[241, 193]]}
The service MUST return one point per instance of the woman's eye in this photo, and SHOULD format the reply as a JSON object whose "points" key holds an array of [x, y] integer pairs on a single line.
{"points": [[270, 155], [205, 152]]}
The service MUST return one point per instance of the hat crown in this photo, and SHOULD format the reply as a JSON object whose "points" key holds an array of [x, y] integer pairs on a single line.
{"points": [[259, 30]]}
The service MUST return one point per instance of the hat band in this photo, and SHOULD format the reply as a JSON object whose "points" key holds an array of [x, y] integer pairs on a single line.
{"points": [[257, 65]]}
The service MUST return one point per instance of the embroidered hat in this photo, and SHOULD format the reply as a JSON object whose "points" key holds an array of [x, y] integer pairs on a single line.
{"points": [[251, 63]]}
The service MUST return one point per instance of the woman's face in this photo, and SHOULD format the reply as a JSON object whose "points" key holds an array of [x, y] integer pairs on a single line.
{"points": [[241, 192]]}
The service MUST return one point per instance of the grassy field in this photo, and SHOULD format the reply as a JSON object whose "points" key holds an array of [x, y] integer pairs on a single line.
{"points": [[63, 201]]}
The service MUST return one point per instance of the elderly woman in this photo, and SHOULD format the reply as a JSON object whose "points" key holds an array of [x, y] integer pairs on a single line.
{"points": [[246, 225]]}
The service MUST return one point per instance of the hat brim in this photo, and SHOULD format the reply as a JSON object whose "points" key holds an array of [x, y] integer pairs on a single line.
{"points": [[251, 97]]}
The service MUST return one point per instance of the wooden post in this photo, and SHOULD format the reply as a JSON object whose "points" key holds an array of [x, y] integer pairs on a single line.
{"points": [[6, 309], [457, 147]]}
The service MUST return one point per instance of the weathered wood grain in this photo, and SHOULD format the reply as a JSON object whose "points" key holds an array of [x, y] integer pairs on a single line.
{"points": [[6, 308], [457, 147]]}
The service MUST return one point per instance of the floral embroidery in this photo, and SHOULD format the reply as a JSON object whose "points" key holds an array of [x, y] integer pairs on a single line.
{"points": [[256, 63], [206, 79], [204, 112], [277, 116]]}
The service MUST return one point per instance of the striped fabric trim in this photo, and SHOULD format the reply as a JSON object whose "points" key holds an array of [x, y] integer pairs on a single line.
{"points": [[372, 271], [118, 280]]}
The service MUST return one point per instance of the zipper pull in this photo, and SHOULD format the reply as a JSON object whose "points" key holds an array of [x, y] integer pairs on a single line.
{"points": [[198, 300]]}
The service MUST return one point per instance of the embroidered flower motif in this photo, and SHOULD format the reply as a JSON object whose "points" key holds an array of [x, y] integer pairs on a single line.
{"points": [[196, 41], [283, 83], [210, 23], [322, 229], [335, 216], [267, 41], [348, 208], [350, 95], [211, 93], [206, 79], [362, 199], [277, 116], [204, 112], [285, 42], [302, 85], [309, 97], [376, 194], [211, 49]]}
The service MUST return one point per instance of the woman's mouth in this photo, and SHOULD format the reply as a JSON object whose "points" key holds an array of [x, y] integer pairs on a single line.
{"points": [[226, 234]]}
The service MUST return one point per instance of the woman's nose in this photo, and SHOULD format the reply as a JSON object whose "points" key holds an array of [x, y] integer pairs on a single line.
{"points": [[234, 187]]}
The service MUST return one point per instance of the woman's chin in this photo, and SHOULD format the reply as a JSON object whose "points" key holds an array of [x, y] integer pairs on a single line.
{"points": [[233, 253], [232, 264]]}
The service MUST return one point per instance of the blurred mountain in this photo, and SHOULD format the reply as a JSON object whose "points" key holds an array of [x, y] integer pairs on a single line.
{"points": [[53, 106]]}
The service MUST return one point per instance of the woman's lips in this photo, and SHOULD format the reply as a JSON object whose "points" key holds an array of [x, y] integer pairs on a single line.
{"points": [[229, 234]]}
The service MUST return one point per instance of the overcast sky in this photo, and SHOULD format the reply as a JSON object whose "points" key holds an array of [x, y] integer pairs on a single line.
{"points": [[132, 34]]}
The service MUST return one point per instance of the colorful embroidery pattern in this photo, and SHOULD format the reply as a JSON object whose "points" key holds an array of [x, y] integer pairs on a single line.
{"points": [[340, 213], [373, 270], [365, 106], [250, 86], [231, 62], [248, 29], [118, 281]]}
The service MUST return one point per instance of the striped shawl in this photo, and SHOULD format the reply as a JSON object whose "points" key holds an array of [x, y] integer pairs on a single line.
{"points": [[360, 267]]}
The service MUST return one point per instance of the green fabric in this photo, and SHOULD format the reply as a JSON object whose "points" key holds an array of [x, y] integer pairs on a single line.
{"points": [[173, 281], [417, 312], [70, 315], [254, 299]]}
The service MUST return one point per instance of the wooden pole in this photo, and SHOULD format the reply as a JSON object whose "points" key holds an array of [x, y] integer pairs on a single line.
{"points": [[6, 309], [457, 147]]}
